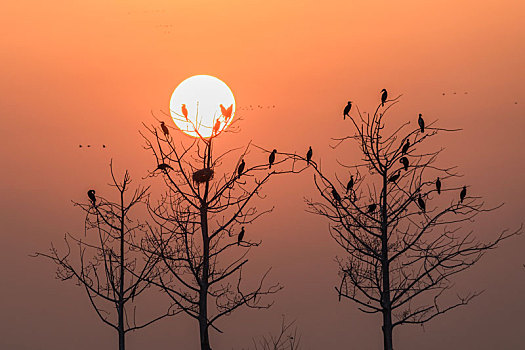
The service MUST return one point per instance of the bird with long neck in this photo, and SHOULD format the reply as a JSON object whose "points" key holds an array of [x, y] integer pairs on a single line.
{"points": [[421, 123], [91, 196]]}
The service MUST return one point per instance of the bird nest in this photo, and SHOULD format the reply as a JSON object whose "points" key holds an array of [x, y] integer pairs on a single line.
{"points": [[203, 175]]}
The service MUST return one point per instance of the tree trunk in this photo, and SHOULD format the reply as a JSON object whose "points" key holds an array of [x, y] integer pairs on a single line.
{"points": [[385, 264], [203, 293], [121, 332]]}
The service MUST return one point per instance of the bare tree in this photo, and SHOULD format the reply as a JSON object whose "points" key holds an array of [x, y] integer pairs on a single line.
{"points": [[287, 338], [399, 217], [201, 220], [109, 265]]}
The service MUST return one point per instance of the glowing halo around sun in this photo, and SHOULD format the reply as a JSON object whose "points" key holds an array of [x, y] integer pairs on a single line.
{"points": [[202, 96]]}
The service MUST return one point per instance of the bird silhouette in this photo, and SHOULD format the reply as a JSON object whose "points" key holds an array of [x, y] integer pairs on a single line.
{"points": [[404, 150], [184, 111], [240, 236], [350, 184], [384, 96], [421, 203], [336, 195], [240, 169], [216, 127], [372, 207], [463, 193], [394, 177], [91, 195], [347, 109], [164, 166], [438, 185], [164, 129], [271, 158], [421, 123], [309, 155], [404, 161], [226, 112], [103, 146], [79, 146]]}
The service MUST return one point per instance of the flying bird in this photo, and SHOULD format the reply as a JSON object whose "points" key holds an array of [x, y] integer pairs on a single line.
{"points": [[421, 123], [91, 195], [184, 111], [438, 185], [350, 184], [347, 109], [372, 207], [336, 195], [271, 158], [103, 146], [240, 169], [404, 150], [226, 112], [164, 128], [421, 203], [241, 236], [463, 193], [384, 96], [394, 177], [309, 155], [79, 146], [164, 166], [404, 161]]}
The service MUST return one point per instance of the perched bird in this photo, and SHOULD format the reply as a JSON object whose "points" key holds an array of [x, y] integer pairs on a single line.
{"points": [[91, 195], [164, 129], [240, 169], [336, 195], [384, 96], [463, 193], [216, 127], [438, 185], [350, 184], [241, 236], [164, 166], [372, 207], [421, 123], [309, 155], [421, 203], [184, 111], [404, 161], [404, 150], [347, 109], [394, 177], [271, 158]]}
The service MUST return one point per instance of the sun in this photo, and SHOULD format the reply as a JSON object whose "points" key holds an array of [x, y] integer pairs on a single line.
{"points": [[202, 106]]}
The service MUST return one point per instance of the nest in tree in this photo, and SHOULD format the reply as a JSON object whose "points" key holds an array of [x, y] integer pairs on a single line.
{"points": [[203, 175]]}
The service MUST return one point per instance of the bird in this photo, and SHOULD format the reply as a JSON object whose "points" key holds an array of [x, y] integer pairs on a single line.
{"points": [[271, 158], [463, 193], [309, 155], [404, 161], [184, 111], [91, 195], [226, 112], [421, 203], [394, 177], [350, 184], [164, 128], [241, 236], [421, 123], [405, 147], [164, 166], [372, 207], [347, 109], [240, 169], [384, 95], [438, 185], [336, 195], [216, 127], [103, 146], [79, 146]]}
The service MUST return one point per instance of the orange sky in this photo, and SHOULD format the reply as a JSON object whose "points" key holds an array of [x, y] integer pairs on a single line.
{"points": [[92, 73]]}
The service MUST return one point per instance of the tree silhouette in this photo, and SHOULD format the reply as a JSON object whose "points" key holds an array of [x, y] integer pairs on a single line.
{"points": [[202, 220], [287, 338], [109, 265], [401, 232]]}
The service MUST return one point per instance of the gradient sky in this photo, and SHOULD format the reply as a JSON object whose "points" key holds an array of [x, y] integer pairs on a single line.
{"points": [[92, 72]]}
